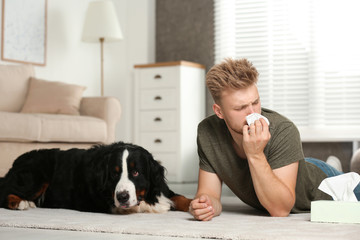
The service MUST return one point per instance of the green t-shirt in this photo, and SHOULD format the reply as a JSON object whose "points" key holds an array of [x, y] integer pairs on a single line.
{"points": [[217, 155]]}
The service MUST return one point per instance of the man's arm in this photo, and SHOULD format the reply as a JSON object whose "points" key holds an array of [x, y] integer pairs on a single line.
{"points": [[206, 204], [275, 189]]}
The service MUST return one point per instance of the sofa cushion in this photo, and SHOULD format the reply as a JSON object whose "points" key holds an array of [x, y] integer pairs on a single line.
{"points": [[14, 81], [51, 128], [52, 97]]}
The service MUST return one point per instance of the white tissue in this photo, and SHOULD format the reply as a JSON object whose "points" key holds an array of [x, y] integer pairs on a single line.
{"points": [[255, 116], [341, 187]]}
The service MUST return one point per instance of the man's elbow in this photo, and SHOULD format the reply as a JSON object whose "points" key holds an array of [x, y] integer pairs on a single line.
{"points": [[282, 210], [279, 213]]}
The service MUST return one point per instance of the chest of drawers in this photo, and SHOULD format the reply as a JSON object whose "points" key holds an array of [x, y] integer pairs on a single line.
{"points": [[169, 103]]}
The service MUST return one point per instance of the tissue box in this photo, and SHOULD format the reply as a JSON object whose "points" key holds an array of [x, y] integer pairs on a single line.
{"points": [[335, 211]]}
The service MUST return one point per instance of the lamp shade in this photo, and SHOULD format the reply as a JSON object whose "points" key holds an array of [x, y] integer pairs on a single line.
{"points": [[101, 22]]}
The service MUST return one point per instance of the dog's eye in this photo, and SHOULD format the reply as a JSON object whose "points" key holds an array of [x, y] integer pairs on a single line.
{"points": [[135, 173]]}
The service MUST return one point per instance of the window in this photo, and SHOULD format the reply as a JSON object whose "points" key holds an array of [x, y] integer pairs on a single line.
{"points": [[308, 55]]}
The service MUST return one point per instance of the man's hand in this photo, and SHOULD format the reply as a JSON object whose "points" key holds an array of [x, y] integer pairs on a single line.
{"points": [[206, 203], [256, 136], [202, 208]]}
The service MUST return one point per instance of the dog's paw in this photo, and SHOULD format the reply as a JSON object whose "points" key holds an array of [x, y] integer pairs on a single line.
{"points": [[32, 204], [24, 205]]}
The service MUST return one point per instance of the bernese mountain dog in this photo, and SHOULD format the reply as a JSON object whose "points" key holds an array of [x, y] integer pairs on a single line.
{"points": [[116, 178]]}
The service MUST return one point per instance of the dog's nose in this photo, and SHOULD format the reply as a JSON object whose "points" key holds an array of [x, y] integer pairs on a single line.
{"points": [[123, 196]]}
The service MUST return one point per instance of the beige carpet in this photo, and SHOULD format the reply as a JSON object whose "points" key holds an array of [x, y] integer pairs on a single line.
{"points": [[237, 221]]}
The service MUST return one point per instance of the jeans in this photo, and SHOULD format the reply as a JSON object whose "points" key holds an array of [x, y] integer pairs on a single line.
{"points": [[331, 172]]}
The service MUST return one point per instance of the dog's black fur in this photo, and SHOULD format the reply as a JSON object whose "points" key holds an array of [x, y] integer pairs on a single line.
{"points": [[85, 180]]}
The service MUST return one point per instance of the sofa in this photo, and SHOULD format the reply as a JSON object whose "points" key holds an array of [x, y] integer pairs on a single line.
{"points": [[37, 114]]}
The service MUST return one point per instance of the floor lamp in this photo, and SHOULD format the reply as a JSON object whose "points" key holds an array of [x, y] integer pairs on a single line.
{"points": [[101, 25]]}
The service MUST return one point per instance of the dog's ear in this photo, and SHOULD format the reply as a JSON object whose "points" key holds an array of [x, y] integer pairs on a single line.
{"points": [[157, 173], [157, 182]]}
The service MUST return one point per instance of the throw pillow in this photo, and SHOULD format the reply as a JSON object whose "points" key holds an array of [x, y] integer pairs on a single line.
{"points": [[52, 97]]}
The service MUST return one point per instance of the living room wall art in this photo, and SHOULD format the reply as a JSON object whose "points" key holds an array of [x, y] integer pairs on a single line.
{"points": [[24, 31]]}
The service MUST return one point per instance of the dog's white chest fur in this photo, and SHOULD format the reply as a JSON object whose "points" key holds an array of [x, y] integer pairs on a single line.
{"points": [[164, 204]]}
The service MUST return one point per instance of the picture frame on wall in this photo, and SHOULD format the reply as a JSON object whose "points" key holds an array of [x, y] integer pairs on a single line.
{"points": [[24, 24]]}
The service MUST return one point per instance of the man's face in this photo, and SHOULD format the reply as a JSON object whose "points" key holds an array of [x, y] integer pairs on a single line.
{"points": [[235, 105]]}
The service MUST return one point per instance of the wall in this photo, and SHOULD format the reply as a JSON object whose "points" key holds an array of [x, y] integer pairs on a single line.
{"points": [[185, 31], [72, 61], [321, 150]]}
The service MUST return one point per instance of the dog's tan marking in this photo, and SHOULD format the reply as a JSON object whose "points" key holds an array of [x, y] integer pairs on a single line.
{"points": [[181, 203], [41, 191], [140, 193], [117, 169], [13, 201], [132, 165]]}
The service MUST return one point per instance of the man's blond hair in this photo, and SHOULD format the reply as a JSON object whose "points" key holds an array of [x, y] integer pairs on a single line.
{"points": [[235, 74]]}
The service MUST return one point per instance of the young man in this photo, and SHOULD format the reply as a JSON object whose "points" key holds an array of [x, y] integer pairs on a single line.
{"points": [[262, 164]]}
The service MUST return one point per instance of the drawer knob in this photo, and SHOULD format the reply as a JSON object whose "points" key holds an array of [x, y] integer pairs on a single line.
{"points": [[157, 119], [157, 98], [157, 140], [157, 76]]}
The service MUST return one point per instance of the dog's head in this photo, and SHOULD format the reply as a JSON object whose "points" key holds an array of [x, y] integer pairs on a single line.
{"points": [[134, 176]]}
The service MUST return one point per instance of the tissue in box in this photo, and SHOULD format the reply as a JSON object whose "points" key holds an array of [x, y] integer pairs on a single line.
{"points": [[335, 211]]}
